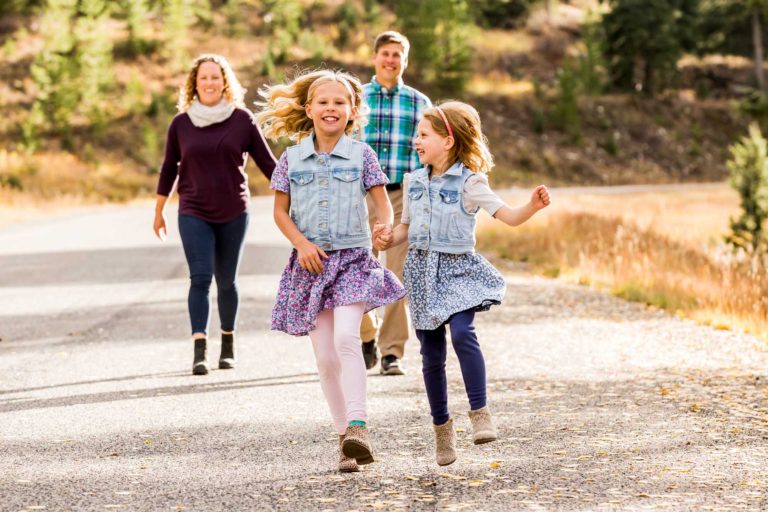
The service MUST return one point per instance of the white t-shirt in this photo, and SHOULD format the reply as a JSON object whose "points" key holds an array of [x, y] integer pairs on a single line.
{"points": [[477, 192]]}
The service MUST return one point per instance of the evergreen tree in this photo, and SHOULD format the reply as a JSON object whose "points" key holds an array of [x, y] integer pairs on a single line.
{"points": [[735, 27], [137, 14], [54, 73], [749, 177], [178, 16], [94, 57], [645, 39], [439, 32]]}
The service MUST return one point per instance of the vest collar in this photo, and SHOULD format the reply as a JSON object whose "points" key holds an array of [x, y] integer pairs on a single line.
{"points": [[457, 169], [342, 149]]}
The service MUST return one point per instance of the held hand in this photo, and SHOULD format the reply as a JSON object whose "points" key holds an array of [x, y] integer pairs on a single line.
{"points": [[159, 226], [311, 257], [382, 236], [540, 198]]}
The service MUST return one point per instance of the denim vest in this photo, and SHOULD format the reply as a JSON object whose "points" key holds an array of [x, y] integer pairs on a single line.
{"points": [[439, 221], [328, 194]]}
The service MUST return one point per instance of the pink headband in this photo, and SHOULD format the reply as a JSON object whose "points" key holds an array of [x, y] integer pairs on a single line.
{"points": [[445, 120]]}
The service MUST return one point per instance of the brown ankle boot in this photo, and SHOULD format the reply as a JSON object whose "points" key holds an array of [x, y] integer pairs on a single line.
{"points": [[445, 443], [357, 445], [346, 464], [483, 430]]}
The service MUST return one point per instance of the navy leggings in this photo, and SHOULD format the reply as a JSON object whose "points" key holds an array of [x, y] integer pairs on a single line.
{"points": [[213, 249], [433, 354]]}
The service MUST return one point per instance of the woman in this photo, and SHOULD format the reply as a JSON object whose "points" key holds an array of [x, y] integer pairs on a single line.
{"points": [[207, 149]]}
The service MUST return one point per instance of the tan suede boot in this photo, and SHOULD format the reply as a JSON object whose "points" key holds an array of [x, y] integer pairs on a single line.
{"points": [[445, 443], [357, 445], [483, 430], [346, 464]]}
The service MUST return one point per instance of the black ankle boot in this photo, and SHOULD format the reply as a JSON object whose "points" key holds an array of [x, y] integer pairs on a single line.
{"points": [[227, 358], [200, 365]]}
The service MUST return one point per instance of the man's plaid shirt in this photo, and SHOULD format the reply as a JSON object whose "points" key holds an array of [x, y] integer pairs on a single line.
{"points": [[392, 125]]}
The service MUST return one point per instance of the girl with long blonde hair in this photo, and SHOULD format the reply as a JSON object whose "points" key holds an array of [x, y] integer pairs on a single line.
{"points": [[331, 278]]}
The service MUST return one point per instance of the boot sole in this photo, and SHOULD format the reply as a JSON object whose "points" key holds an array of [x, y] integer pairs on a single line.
{"points": [[226, 365], [446, 463], [484, 440], [200, 369], [350, 470], [354, 450]]}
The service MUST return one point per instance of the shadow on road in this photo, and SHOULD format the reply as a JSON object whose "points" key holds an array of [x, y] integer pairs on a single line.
{"points": [[122, 265], [206, 386], [144, 321]]}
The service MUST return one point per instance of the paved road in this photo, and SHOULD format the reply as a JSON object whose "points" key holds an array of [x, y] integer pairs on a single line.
{"points": [[601, 404]]}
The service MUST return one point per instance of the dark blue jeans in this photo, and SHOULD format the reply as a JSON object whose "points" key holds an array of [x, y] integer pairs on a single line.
{"points": [[213, 249], [433, 354]]}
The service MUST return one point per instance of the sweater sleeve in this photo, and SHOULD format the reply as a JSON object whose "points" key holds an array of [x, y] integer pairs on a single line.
{"points": [[260, 151], [170, 168]]}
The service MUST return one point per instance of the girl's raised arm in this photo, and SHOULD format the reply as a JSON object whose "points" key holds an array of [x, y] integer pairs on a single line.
{"points": [[516, 216]]}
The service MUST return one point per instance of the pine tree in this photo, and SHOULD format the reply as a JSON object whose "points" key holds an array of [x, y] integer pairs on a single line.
{"points": [[94, 57], [137, 15], [749, 177], [645, 39], [439, 32], [53, 72]]}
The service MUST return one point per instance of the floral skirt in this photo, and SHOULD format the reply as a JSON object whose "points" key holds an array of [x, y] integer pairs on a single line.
{"points": [[349, 276], [441, 284]]}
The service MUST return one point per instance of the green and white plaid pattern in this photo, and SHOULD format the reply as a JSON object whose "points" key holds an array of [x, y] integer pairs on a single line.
{"points": [[392, 126]]}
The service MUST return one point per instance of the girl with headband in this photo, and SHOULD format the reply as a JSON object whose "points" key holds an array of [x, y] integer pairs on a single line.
{"points": [[446, 280]]}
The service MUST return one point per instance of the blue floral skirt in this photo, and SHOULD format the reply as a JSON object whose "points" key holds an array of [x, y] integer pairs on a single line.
{"points": [[441, 284]]}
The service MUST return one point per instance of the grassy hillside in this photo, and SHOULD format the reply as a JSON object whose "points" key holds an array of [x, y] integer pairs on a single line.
{"points": [[622, 139]]}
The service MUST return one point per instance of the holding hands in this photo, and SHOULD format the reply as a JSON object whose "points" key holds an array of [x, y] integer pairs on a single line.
{"points": [[382, 236], [540, 198]]}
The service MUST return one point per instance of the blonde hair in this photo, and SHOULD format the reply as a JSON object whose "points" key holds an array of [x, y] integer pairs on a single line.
{"points": [[390, 36], [283, 111], [233, 92], [470, 145]]}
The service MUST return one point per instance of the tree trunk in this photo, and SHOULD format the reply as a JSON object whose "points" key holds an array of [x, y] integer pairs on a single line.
{"points": [[757, 41]]}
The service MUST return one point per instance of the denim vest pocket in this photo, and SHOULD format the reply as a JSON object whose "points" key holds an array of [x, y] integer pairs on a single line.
{"points": [[302, 193], [449, 196], [350, 215], [415, 193]]}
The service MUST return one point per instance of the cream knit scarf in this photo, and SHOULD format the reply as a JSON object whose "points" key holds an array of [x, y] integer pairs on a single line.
{"points": [[204, 116]]}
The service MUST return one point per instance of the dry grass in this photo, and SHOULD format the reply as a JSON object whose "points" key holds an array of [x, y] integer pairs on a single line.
{"points": [[662, 248]]}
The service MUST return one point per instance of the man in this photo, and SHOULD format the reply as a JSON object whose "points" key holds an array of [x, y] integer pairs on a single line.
{"points": [[395, 112]]}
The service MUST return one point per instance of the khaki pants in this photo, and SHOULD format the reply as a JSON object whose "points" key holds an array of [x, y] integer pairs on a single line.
{"points": [[392, 331]]}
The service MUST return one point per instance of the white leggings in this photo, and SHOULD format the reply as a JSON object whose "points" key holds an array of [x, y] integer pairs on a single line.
{"points": [[340, 364]]}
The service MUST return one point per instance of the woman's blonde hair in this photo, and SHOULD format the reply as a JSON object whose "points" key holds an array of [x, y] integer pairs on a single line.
{"points": [[283, 111], [470, 145], [233, 92]]}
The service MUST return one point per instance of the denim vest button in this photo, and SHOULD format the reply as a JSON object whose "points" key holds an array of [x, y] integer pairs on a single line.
{"points": [[323, 182], [323, 203], [323, 225]]}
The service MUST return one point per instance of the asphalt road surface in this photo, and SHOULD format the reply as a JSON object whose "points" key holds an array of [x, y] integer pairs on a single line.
{"points": [[600, 404]]}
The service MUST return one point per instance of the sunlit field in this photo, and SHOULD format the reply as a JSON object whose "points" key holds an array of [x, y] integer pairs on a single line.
{"points": [[664, 248]]}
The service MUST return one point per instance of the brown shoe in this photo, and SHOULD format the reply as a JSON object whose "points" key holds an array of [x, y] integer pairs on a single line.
{"points": [[483, 430], [445, 443], [346, 464], [357, 445]]}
